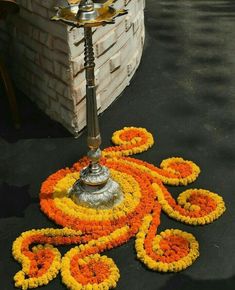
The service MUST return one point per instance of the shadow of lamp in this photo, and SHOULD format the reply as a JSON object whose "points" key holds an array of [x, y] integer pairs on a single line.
{"points": [[95, 188]]}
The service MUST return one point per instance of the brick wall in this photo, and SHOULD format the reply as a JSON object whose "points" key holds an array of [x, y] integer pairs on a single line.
{"points": [[48, 58]]}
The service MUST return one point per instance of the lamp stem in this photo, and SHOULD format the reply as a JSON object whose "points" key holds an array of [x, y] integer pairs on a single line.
{"points": [[95, 174], [94, 138]]}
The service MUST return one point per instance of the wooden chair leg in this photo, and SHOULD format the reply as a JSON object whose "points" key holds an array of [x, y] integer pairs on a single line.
{"points": [[10, 94]]}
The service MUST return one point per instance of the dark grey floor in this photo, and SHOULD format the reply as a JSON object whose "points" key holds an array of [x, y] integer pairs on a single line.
{"points": [[184, 93]]}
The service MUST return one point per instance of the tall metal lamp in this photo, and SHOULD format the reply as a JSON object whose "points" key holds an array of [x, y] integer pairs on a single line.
{"points": [[95, 188]]}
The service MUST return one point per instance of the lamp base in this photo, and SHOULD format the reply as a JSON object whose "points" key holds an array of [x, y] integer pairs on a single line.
{"points": [[98, 197]]}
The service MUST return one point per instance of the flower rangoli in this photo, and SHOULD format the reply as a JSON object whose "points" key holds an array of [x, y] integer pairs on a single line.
{"points": [[92, 231]]}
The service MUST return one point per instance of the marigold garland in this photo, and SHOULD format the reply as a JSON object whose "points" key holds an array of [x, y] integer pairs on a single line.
{"points": [[130, 140], [170, 251], [95, 231]]}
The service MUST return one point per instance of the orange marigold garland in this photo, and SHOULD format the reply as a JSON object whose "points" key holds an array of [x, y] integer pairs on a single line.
{"points": [[130, 140], [195, 206], [170, 251], [95, 231]]}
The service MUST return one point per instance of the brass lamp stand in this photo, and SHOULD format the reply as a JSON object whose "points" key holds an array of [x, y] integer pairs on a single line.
{"points": [[95, 188]]}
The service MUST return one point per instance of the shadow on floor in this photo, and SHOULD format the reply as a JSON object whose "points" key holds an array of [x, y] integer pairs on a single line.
{"points": [[184, 282], [34, 123], [15, 199]]}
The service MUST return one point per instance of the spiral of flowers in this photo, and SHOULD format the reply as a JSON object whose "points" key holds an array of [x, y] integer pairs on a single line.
{"points": [[138, 214], [129, 141], [170, 251]]}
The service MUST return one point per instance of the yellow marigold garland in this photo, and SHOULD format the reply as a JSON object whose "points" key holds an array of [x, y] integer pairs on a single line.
{"points": [[109, 281], [157, 254], [95, 231], [188, 209], [166, 174], [76, 273], [130, 140]]}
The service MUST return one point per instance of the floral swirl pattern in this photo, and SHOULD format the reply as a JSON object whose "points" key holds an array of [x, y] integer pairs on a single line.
{"points": [[138, 215]]}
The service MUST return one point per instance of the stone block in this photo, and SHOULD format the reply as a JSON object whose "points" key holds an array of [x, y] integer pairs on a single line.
{"points": [[105, 43], [115, 62], [48, 58]]}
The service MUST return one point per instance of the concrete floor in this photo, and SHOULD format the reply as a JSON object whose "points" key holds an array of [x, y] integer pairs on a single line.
{"points": [[184, 93]]}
